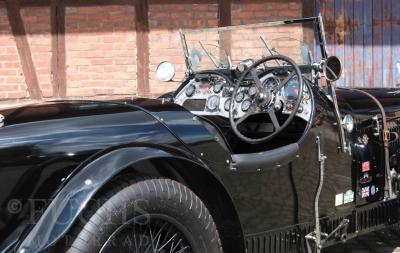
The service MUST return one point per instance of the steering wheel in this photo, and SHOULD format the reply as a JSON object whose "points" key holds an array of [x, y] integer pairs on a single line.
{"points": [[263, 100]]}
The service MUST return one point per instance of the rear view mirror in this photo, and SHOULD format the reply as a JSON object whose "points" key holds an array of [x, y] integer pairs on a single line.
{"points": [[332, 68], [165, 71]]}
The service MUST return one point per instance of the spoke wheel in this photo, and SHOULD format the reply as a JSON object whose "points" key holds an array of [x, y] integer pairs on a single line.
{"points": [[143, 215], [151, 233]]}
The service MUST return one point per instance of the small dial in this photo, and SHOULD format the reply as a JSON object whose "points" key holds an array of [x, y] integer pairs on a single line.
{"points": [[227, 104], [252, 91], [246, 105], [213, 103], [190, 90], [239, 97], [218, 87]]}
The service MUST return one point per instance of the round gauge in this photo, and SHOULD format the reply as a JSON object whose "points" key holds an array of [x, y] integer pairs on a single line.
{"points": [[227, 104], [246, 105], [292, 88], [213, 103], [239, 97], [271, 82], [252, 91], [218, 86], [190, 90]]}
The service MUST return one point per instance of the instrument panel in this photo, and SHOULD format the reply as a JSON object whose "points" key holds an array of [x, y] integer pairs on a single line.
{"points": [[210, 94]]}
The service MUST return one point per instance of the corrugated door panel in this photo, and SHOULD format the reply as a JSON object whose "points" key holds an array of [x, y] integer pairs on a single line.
{"points": [[387, 61], [368, 55], [358, 43], [365, 35], [348, 43], [339, 33], [377, 43], [396, 41]]}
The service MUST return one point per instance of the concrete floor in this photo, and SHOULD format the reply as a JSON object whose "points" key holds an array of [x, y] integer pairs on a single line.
{"points": [[384, 241]]}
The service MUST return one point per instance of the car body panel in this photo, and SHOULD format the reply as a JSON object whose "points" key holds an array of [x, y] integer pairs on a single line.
{"points": [[41, 145], [80, 137]]}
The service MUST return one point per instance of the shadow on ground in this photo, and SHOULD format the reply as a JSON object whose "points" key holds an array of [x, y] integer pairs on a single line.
{"points": [[383, 241]]}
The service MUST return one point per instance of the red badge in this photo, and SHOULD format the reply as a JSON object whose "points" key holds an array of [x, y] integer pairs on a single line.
{"points": [[365, 166]]}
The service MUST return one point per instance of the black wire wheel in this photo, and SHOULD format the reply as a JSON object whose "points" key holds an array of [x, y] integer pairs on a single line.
{"points": [[150, 233], [145, 216]]}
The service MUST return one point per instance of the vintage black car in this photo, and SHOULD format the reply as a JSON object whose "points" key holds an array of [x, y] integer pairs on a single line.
{"points": [[256, 151]]}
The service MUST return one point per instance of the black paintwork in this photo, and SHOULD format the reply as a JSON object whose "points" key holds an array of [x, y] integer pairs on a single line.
{"points": [[49, 148]]}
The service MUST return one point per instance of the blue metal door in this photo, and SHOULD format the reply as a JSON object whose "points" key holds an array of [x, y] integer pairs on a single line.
{"points": [[365, 35]]}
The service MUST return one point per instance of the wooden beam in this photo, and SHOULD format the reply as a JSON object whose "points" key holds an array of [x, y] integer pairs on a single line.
{"points": [[96, 2], [142, 46], [58, 68], [225, 19], [183, 2], [18, 30]]}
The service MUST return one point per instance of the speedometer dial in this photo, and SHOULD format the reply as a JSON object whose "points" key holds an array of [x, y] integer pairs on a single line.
{"points": [[213, 103]]}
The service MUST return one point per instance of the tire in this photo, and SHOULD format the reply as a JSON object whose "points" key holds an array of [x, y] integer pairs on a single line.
{"points": [[154, 210]]}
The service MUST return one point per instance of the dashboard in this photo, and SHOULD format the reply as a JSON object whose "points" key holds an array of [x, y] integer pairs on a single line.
{"points": [[210, 94]]}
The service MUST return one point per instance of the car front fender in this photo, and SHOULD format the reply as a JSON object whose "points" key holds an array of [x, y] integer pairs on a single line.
{"points": [[72, 198]]}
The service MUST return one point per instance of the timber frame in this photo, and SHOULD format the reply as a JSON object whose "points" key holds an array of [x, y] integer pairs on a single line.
{"points": [[58, 58]]}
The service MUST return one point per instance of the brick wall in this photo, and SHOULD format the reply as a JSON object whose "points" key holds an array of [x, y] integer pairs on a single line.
{"points": [[100, 43], [100, 51], [12, 82], [247, 43], [165, 45]]}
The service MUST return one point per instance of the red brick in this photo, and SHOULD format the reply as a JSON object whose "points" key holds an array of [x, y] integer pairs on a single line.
{"points": [[11, 64], [18, 94], [8, 57], [99, 91], [8, 87], [8, 72], [102, 61]]}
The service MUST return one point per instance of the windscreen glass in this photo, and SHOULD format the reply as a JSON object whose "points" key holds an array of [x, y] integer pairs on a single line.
{"points": [[220, 47]]}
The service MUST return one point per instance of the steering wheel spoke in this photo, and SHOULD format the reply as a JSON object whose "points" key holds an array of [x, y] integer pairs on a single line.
{"points": [[250, 112], [285, 81], [257, 80], [274, 119]]}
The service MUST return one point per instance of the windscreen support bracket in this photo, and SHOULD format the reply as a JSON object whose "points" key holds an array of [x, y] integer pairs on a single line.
{"points": [[189, 70]]}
